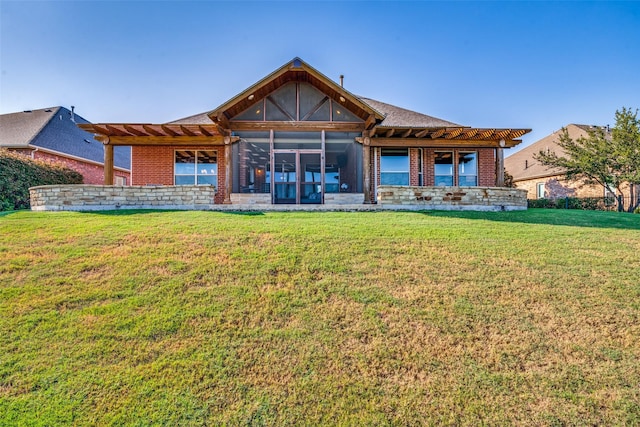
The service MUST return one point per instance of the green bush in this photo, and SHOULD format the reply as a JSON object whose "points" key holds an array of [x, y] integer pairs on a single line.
{"points": [[585, 203], [18, 173]]}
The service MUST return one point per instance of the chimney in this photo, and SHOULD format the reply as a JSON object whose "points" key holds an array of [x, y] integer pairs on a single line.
{"points": [[341, 80], [73, 117]]}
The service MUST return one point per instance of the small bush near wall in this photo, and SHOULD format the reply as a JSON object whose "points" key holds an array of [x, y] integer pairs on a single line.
{"points": [[585, 203], [18, 173]]}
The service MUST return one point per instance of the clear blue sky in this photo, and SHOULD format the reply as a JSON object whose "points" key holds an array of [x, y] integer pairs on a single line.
{"points": [[537, 65]]}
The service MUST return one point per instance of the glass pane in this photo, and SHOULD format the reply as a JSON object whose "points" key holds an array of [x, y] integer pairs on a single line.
{"points": [[311, 193], [310, 97], [255, 112], [185, 180], [207, 163], [185, 162], [285, 193], [285, 98], [251, 155], [444, 180], [394, 164], [343, 163], [297, 140], [394, 178], [207, 180], [322, 114], [467, 164], [467, 180], [341, 114], [274, 113]]}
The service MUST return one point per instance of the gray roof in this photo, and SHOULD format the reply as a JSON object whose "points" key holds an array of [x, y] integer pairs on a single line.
{"points": [[52, 129], [396, 117]]}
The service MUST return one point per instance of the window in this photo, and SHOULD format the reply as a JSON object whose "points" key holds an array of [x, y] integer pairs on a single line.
{"points": [[540, 190], [468, 169], [121, 180], [196, 167], [444, 168], [394, 166]]}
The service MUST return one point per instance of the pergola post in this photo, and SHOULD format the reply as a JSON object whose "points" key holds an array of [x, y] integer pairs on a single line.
{"points": [[500, 166], [228, 186], [108, 163], [366, 168]]}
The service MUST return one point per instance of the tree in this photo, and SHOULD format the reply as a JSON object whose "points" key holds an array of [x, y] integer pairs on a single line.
{"points": [[610, 160]]}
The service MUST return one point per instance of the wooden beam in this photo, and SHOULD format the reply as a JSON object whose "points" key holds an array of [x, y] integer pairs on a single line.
{"points": [[166, 140], [438, 133], [370, 122], [453, 133], [297, 126], [390, 133], [170, 131], [134, 131], [366, 171], [468, 134], [499, 167], [152, 130], [438, 143], [228, 170], [187, 131], [406, 133], [422, 133], [203, 130], [108, 164]]}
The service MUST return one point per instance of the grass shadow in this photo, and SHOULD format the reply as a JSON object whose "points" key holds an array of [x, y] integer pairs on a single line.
{"points": [[561, 217]]}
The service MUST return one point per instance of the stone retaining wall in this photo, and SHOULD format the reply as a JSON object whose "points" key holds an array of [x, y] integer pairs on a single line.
{"points": [[452, 198], [108, 197]]}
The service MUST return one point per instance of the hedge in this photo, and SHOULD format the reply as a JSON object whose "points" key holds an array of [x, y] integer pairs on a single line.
{"points": [[18, 173], [585, 203]]}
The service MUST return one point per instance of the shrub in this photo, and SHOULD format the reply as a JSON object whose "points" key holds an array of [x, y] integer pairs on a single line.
{"points": [[584, 203], [18, 173]]}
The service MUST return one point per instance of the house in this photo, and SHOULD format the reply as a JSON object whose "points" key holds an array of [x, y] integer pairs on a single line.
{"points": [[52, 134], [544, 182], [297, 137]]}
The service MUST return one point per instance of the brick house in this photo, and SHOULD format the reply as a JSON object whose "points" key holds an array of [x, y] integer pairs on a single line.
{"points": [[297, 137], [52, 134], [544, 182]]}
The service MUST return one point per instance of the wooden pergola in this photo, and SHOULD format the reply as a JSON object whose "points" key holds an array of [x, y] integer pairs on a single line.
{"points": [[147, 134]]}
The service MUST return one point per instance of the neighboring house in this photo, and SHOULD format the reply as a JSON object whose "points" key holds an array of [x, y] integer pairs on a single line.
{"points": [[544, 182], [297, 137], [52, 134]]}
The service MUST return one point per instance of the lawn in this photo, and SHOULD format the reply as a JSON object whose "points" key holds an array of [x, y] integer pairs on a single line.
{"points": [[373, 318]]}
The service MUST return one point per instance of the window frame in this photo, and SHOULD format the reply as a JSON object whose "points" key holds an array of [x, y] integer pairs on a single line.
{"points": [[462, 153], [394, 171], [195, 173], [452, 175]]}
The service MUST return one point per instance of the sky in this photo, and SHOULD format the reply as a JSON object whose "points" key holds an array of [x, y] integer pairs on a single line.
{"points": [[515, 64]]}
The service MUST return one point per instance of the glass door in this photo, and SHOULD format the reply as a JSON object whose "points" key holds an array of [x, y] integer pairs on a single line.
{"points": [[297, 177], [284, 177], [311, 180]]}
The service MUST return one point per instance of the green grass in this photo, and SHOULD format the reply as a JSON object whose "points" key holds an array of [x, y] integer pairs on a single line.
{"points": [[387, 318]]}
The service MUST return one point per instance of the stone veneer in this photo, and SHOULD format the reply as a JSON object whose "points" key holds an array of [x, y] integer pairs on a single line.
{"points": [[108, 197], [452, 198], [190, 197]]}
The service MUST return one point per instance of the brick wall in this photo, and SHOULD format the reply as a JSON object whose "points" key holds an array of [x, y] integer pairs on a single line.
{"points": [[154, 166], [558, 187], [91, 173]]}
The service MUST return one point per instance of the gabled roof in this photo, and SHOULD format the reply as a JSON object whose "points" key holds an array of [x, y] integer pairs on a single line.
{"points": [[53, 130], [17, 130], [523, 165], [294, 70]]}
